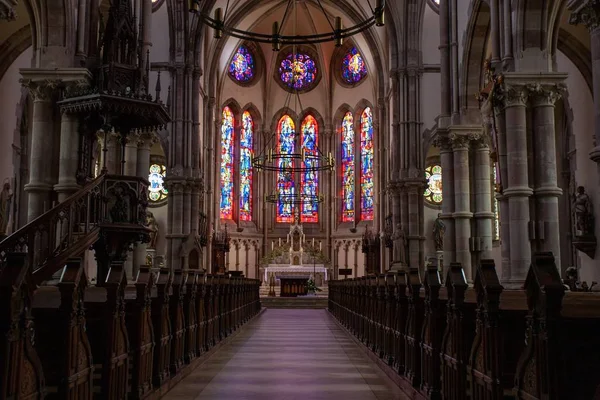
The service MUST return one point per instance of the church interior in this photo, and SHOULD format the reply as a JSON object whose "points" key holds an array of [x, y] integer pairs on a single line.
{"points": [[393, 199]]}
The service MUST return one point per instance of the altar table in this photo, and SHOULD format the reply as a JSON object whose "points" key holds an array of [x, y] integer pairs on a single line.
{"points": [[293, 286]]}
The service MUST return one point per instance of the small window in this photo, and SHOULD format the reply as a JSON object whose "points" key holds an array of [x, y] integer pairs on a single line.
{"points": [[242, 68], [298, 71], [433, 192], [354, 69], [157, 192]]}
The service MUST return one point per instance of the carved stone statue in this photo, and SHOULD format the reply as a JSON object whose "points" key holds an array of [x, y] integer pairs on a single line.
{"points": [[438, 233], [584, 219], [153, 225], [5, 200], [400, 245]]}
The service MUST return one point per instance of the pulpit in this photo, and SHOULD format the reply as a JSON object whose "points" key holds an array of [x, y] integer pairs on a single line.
{"points": [[293, 286]]}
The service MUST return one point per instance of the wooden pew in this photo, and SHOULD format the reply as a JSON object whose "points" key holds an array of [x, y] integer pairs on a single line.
{"points": [[177, 318], [191, 350], [458, 335], [21, 372], [141, 334], [107, 333], [161, 323], [414, 324], [399, 346], [59, 313]]}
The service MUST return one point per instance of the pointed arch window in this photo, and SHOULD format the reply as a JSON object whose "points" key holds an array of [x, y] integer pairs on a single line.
{"points": [[366, 165], [246, 152], [286, 133], [356, 166], [348, 171], [227, 155], [310, 179]]}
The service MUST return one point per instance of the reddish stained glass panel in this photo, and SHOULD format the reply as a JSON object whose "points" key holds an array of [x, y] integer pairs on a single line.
{"points": [[227, 148], [310, 179], [348, 169], [246, 151], [366, 165]]}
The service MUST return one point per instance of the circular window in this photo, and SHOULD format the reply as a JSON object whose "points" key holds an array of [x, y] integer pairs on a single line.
{"points": [[298, 72], [157, 192], [354, 68], [433, 192], [242, 68]]}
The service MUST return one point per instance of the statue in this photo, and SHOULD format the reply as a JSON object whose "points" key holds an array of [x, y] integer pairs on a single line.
{"points": [[438, 233], [5, 200], [400, 244], [153, 225], [584, 219]]}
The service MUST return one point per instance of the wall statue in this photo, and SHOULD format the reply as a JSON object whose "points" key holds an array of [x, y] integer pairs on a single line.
{"points": [[584, 217], [400, 245], [438, 233], [153, 225], [5, 200]]}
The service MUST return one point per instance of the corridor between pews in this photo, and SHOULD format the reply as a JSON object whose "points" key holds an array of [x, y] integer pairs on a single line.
{"points": [[288, 354]]}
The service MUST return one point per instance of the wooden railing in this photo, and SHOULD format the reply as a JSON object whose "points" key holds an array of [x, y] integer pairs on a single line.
{"points": [[449, 341], [74, 341], [111, 202]]}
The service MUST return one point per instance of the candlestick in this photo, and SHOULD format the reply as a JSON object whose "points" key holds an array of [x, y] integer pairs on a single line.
{"points": [[279, 242], [313, 242], [272, 245], [320, 245]]}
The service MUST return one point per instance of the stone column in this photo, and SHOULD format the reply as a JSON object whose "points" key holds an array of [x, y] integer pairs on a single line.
{"points": [[447, 164], [40, 160], [131, 153], [144, 142], [110, 142], [517, 188], [69, 157], [483, 196], [546, 190], [462, 199]]}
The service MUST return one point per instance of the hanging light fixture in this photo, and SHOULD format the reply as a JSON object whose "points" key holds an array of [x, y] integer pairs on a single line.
{"points": [[337, 34]]}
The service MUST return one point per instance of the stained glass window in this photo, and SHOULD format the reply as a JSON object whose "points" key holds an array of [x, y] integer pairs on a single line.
{"points": [[310, 179], [246, 151], [157, 191], [242, 65], [366, 165], [354, 68], [298, 72], [348, 168], [227, 147], [286, 132], [433, 192]]}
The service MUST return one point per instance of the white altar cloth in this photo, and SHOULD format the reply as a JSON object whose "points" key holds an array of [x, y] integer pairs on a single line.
{"points": [[295, 268]]}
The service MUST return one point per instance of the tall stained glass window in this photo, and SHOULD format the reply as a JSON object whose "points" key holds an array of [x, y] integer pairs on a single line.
{"points": [[246, 151], [157, 192], [242, 65], [433, 191], [310, 179], [227, 148], [354, 68], [348, 170], [366, 165], [286, 132], [298, 72]]}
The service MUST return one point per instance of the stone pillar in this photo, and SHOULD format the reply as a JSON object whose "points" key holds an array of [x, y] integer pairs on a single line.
{"points": [[483, 196], [144, 143], [517, 188], [131, 154], [40, 160], [462, 200], [69, 157], [546, 190], [447, 164], [110, 143]]}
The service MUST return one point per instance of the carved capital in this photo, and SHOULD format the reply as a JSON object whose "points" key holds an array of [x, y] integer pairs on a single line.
{"points": [[542, 94], [41, 90], [459, 141], [586, 12], [515, 95], [146, 139], [443, 143]]}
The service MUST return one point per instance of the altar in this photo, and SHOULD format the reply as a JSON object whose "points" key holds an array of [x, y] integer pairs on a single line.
{"points": [[280, 270]]}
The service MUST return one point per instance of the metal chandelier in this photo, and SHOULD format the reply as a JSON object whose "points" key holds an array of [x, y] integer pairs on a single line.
{"points": [[337, 34]]}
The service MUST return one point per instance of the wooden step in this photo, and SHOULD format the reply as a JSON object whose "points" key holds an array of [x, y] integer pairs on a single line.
{"points": [[295, 302]]}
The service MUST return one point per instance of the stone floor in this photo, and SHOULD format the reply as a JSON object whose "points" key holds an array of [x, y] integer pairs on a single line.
{"points": [[288, 354]]}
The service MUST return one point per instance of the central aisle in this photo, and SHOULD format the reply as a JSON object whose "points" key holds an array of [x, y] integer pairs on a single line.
{"points": [[288, 354]]}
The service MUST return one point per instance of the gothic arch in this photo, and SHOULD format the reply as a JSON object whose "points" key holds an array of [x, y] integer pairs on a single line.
{"points": [[255, 113], [474, 53], [361, 106], [280, 113]]}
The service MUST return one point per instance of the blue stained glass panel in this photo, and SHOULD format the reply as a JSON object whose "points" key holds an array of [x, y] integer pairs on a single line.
{"points": [[366, 165], [242, 65], [227, 147], [298, 72], [286, 132], [348, 170], [310, 179], [246, 151], [354, 68]]}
